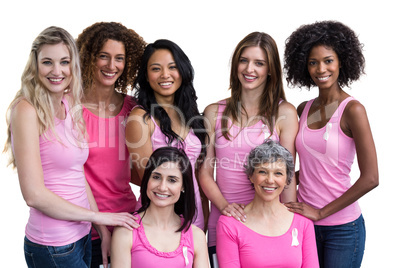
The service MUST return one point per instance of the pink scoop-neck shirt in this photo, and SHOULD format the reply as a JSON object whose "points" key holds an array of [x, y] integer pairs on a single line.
{"points": [[143, 254], [239, 246], [230, 159], [326, 158]]}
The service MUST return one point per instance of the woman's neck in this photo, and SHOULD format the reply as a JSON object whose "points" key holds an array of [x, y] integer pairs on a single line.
{"points": [[58, 106], [165, 101], [101, 94], [250, 99], [264, 209], [328, 96], [161, 217]]}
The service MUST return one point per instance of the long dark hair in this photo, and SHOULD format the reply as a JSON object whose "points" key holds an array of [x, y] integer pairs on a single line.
{"points": [[185, 206], [185, 97], [273, 91]]}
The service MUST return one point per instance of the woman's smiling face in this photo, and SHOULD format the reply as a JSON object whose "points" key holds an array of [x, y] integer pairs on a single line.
{"points": [[323, 66], [110, 63], [165, 184], [269, 180]]}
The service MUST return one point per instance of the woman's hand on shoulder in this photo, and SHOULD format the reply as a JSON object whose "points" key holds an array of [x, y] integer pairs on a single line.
{"points": [[123, 219], [305, 210], [236, 211]]}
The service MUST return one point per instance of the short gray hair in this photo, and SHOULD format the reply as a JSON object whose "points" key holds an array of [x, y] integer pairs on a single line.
{"points": [[270, 152]]}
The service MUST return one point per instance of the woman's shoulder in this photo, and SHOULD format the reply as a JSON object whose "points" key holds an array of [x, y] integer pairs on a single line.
{"points": [[286, 108], [301, 107], [23, 110], [213, 109], [228, 221], [137, 111], [302, 220], [354, 107], [198, 234]]}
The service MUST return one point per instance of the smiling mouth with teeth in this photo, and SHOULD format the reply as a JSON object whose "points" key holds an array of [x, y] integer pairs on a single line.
{"points": [[55, 79], [165, 83], [323, 78], [162, 195], [250, 77], [108, 74], [269, 188]]}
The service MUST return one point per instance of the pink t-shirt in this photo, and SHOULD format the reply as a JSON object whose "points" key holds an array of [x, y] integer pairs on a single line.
{"points": [[143, 254], [192, 148], [108, 166], [239, 246], [231, 156], [326, 158], [62, 164]]}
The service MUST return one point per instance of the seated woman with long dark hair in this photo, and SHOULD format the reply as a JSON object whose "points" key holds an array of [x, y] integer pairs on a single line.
{"points": [[166, 237]]}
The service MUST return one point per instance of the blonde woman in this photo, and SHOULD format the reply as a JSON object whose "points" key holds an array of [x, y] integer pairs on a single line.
{"points": [[46, 138]]}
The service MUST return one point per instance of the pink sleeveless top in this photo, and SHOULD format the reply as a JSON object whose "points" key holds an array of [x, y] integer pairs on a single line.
{"points": [[143, 254], [192, 148], [326, 158], [108, 166], [230, 159], [62, 164]]}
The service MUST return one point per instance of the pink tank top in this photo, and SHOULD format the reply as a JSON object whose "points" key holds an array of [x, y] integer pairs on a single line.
{"points": [[143, 254], [326, 157], [108, 166], [192, 148], [62, 165], [230, 159]]}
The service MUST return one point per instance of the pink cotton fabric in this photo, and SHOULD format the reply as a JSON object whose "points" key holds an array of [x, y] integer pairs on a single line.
{"points": [[239, 246], [143, 254], [325, 165], [62, 164], [108, 166], [230, 159], [192, 148]]}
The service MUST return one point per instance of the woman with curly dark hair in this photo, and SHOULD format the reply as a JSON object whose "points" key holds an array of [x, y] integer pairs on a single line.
{"points": [[167, 112], [333, 128], [110, 57]]}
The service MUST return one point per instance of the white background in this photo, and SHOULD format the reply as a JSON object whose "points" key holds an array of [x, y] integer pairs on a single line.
{"points": [[208, 32]]}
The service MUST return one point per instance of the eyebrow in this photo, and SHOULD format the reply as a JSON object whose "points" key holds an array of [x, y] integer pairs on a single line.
{"points": [[47, 58], [254, 60], [331, 56], [103, 52], [157, 63], [159, 174]]}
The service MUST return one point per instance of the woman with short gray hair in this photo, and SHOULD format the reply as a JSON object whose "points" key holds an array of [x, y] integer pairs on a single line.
{"points": [[272, 236]]}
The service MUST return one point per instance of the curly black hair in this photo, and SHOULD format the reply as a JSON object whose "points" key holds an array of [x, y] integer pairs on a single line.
{"points": [[91, 41], [333, 34]]}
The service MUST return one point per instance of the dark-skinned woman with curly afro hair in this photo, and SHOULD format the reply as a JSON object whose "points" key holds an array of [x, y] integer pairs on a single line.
{"points": [[110, 57], [333, 129]]}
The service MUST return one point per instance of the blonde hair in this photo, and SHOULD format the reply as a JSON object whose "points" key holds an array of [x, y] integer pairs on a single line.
{"points": [[34, 92]]}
